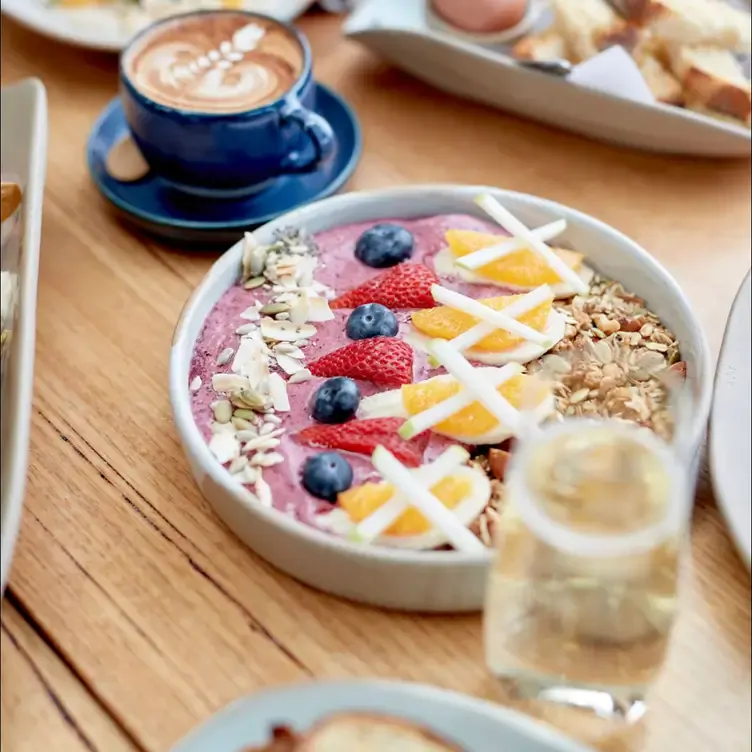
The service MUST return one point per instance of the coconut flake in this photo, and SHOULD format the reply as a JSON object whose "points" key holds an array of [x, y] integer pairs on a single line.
{"points": [[263, 489], [285, 331], [195, 385], [278, 393], [289, 364], [250, 314], [227, 382], [319, 309], [224, 446], [300, 377]]}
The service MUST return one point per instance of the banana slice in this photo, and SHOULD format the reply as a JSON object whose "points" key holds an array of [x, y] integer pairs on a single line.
{"points": [[444, 265], [524, 352], [467, 511]]}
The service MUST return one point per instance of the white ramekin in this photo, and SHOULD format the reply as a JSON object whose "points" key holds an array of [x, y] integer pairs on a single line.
{"points": [[440, 581]]}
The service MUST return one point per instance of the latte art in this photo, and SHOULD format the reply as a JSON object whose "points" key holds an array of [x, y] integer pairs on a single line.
{"points": [[216, 63]]}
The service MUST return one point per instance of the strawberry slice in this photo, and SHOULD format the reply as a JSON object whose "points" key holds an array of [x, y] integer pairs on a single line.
{"points": [[404, 286], [385, 361], [363, 436]]}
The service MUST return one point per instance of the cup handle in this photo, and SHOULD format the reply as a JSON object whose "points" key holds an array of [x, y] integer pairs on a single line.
{"points": [[318, 132]]}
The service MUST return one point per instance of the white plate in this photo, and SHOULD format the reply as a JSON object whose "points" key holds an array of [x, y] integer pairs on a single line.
{"points": [[23, 142], [411, 580], [398, 31], [107, 28], [475, 725], [731, 423]]}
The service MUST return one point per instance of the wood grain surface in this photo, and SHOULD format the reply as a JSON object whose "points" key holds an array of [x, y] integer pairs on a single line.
{"points": [[132, 613]]}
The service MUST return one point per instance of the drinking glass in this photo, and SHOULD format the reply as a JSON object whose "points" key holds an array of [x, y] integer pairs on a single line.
{"points": [[583, 590]]}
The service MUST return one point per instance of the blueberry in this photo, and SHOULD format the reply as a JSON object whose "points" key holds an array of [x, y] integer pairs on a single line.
{"points": [[336, 400], [327, 474], [371, 320], [384, 245]]}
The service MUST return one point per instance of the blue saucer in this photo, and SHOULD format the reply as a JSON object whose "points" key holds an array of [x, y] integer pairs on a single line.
{"points": [[159, 210]]}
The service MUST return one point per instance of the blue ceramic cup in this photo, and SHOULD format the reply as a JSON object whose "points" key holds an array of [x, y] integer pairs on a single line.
{"points": [[225, 154]]}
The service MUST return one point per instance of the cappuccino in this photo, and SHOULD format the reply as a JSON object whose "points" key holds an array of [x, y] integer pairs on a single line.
{"points": [[220, 62]]}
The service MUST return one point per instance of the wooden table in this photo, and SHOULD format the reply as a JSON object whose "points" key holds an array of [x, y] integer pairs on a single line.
{"points": [[132, 613]]}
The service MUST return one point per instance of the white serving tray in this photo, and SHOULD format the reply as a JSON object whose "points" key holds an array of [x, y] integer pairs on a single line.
{"points": [[23, 142], [731, 423], [399, 31], [104, 28]]}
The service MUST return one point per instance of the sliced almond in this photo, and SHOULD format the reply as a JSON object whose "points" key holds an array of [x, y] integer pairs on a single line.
{"points": [[319, 309], [225, 447], [289, 364], [285, 331], [278, 393], [227, 382], [300, 377]]}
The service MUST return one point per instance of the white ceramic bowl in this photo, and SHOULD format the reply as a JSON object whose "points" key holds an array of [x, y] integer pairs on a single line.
{"points": [[410, 580]]}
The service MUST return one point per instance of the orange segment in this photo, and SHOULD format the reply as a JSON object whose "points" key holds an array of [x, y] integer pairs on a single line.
{"points": [[473, 420], [523, 269], [361, 502], [447, 323]]}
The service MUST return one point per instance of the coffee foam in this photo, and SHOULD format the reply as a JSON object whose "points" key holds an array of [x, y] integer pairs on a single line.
{"points": [[215, 63]]}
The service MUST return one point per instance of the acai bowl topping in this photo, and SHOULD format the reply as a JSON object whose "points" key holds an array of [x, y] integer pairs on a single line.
{"points": [[370, 380]]}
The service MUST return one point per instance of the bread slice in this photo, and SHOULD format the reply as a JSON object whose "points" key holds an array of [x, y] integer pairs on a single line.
{"points": [[549, 45], [665, 86], [590, 26], [10, 199], [283, 740], [713, 80], [694, 22], [365, 732]]}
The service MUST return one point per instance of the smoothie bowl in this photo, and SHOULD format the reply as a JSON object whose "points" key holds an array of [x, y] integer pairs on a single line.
{"points": [[348, 380]]}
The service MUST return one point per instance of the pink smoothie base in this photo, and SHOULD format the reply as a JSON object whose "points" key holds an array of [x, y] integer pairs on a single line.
{"points": [[340, 270]]}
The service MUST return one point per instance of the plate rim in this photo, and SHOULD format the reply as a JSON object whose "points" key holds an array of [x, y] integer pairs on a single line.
{"points": [[504, 716], [20, 418], [31, 14], [720, 487]]}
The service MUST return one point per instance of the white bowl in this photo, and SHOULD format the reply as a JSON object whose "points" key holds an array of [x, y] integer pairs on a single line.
{"points": [[409, 580]]}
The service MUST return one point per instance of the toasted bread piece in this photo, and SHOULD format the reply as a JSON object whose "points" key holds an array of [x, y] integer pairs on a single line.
{"points": [[589, 26], [549, 45], [365, 732], [665, 86], [719, 116], [283, 740], [10, 199], [695, 22], [713, 80]]}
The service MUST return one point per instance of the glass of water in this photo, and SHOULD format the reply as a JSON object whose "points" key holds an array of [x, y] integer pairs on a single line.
{"points": [[583, 591]]}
